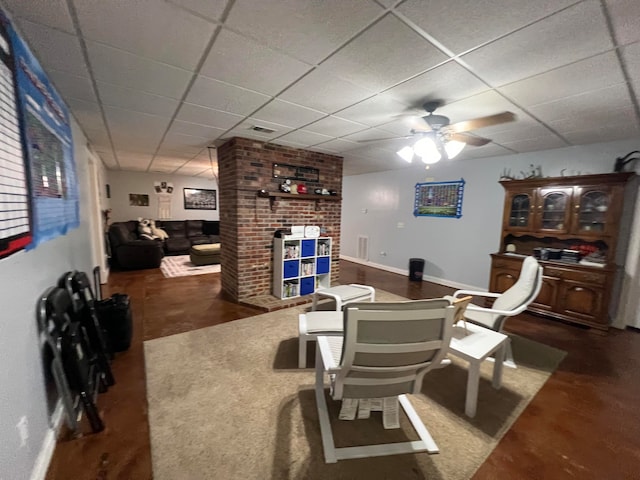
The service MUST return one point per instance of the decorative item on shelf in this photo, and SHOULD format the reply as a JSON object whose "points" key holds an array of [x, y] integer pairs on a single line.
{"points": [[332, 193], [535, 172], [511, 248], [325, 191], [506, 175], [262, 193], [318, 191], [294, 188], [302, 188], [285, 186]]}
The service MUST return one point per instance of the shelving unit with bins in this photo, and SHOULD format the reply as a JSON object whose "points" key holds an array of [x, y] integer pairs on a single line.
{"points": [[563, 213], [301, 266]]}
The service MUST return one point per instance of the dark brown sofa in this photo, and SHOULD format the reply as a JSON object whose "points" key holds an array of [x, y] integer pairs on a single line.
{"points": [[129, 252]]}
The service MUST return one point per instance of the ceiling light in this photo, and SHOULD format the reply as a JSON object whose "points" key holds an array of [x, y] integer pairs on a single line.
{"points": [[428, 151], [406, 154], [453, 148]]}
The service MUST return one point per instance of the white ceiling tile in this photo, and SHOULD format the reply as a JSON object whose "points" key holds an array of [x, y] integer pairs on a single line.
{"points": [[98, 138], [73, 86], [195, 129], [160, 161], [335, 127], [592, 104], [133, 161], [288, 143], [304, 137], [118, 67], [373, 111], [46, 44], [338, 145], [244, 133], [369, 61], [535, 144], [248, 125], [88, 114], [448, 82], [489, 150], [568, 36], [631, 56], [605, 133], [286, 113], [135, 122], [211, 9], [624, 16], [308, 30], [189, 143], [194, 171], [182, 154], [320, 90], [136, 100], [128, 26], [479, 21], [107, 158], [261, 69], [52, 13], [522, 129], [487, 103], [589, 74], [134, 142], [211, 93], [207, 116]]}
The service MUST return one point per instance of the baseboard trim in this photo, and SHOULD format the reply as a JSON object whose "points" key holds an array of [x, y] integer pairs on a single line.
{"points": [[41, 466], [425, 278]]}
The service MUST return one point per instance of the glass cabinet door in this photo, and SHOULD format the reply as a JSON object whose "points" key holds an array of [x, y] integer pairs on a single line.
{"points": [[554, 207], [520, 211], [592, 210]]}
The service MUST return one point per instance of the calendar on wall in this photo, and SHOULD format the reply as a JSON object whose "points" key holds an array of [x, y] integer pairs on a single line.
{"points": [[439, 199], [15, 211], [39, 197]]}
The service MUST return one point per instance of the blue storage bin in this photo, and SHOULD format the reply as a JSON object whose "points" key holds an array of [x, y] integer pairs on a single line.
{"points": [[322, 265], [308, 248], [307, 285], [291, 268]]}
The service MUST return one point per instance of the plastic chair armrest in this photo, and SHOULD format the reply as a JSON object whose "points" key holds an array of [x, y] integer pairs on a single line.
{"points": [[507, 313], [476, 293]]}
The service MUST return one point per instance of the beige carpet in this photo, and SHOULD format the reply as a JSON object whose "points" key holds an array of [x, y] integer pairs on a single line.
{"points": [[227, 402], [181, 266]]}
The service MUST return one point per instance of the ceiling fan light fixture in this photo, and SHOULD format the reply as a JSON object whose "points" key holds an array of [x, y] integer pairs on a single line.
{"points": [[426, 149], [453, 148], [406, 154]]}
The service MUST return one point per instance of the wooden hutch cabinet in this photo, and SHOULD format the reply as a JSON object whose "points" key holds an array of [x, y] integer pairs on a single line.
{"points": [[561, 220]]}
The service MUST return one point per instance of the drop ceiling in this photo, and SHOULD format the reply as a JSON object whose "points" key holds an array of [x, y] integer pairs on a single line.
{"points": [[153, 83]]}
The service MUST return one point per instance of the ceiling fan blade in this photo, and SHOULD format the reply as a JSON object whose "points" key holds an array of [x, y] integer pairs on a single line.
{"points": [[385, 138], [469, 139], [481, 122]]}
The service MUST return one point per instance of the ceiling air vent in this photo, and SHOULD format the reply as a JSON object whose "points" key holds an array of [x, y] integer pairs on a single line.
{"points": [[258, 128]]}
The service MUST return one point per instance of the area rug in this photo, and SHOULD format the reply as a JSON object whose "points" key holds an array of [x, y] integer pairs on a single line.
{"points": [[228, 402], [181, 266]]}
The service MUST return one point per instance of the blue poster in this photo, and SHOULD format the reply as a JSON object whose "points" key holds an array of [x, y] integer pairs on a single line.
{"points": [[48, 145]]}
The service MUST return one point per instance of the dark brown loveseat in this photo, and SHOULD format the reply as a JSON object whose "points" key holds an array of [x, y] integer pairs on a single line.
{"points": [[129, 252]]}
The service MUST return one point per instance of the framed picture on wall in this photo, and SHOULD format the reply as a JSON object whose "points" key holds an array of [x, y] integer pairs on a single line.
{"points": [[199, 199]]}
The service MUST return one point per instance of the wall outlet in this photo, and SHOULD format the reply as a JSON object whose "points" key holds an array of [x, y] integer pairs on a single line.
{"points": [[400, 224], [23, 430], [383, 254]]}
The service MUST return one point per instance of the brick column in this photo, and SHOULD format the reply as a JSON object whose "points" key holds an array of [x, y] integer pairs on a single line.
{"points": [[247, 222]]}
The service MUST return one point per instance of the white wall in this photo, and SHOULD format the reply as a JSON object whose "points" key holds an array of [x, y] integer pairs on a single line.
{"points": [[456, 250], [123, 183], [24, 277]]}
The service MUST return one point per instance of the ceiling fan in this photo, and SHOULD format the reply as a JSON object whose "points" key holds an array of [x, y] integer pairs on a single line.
{"points": [[442, 139]]}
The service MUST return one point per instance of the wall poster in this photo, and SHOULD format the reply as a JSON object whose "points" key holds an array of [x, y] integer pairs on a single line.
{"points": [[439, 199], [47, 145]]}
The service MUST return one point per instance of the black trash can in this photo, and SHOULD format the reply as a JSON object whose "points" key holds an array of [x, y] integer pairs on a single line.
{"points": [[416, 268]]}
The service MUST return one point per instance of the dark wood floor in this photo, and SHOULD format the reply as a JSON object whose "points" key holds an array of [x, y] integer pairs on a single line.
{"points": [[584, 423]]}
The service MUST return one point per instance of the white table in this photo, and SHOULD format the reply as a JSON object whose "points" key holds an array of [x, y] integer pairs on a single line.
{"points": [[474, 345], [345, 293], [311, 325]]}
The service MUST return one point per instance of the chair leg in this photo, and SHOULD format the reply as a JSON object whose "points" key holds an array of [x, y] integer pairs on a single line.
{"points": [[508, 358], [302, 351]]}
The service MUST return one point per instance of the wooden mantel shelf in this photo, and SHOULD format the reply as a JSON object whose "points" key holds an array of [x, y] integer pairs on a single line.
{"points": [[303, 196]]}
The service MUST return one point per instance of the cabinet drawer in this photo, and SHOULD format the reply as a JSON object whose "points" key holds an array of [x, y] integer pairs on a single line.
{"points": [[576, 275], [307, 285], [308, 248]]}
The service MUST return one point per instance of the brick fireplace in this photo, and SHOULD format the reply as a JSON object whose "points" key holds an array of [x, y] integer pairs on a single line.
{"points": [[248, 222]]}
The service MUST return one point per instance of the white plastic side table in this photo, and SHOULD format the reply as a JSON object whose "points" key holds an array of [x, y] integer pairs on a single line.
{"points": [[474, 344], [345, 293]]}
